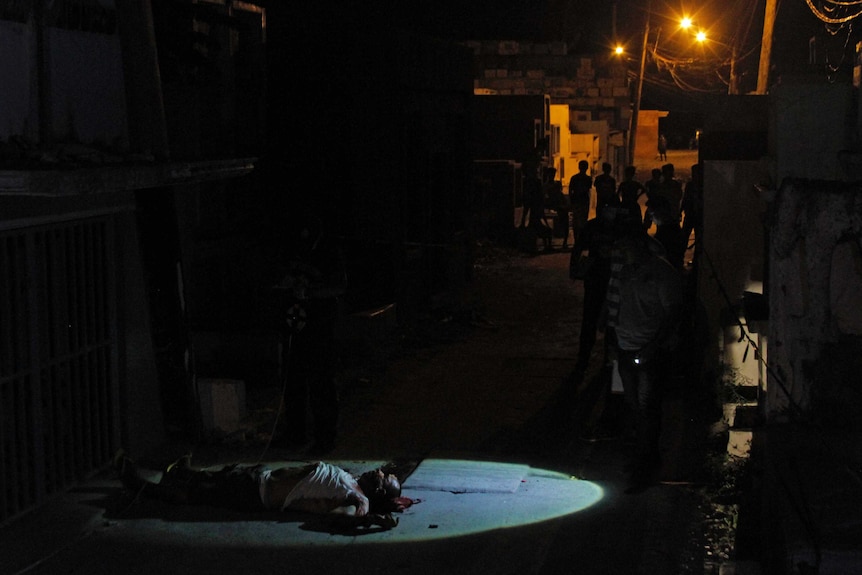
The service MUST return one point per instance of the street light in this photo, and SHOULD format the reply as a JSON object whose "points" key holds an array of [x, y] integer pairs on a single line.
{"points": [[733, 82], [685, 23]]}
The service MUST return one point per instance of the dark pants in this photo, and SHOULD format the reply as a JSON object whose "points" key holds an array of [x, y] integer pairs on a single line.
{"points": [[542, 230], [580, 215], [561, 225], [687, 227], [310, 370], [643, 386], [595, 287], [233, 486]]}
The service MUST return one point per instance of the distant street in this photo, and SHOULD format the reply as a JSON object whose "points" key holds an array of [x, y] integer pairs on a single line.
{"points": [[682, 161]]}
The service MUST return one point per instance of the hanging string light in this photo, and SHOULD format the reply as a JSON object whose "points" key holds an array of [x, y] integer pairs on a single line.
{"points": [[837, 16], [701, 54], [835, 11]]}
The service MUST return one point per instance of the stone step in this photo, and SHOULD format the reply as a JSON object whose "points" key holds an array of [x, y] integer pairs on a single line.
{"points": [[739, 442]]}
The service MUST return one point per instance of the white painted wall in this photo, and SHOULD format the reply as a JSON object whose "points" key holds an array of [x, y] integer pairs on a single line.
{"points": [[734, 253], [86, 92], [808, 128], [18, 112]]}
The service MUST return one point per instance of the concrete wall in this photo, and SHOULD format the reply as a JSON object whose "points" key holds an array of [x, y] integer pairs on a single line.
{"points": [[814, 222], [19, 112], [562, 160], [734, 254], [504, 127], [809, 128], [648, 132], [87, 95], [774, 216], [583, 82], [813, 212], [734, 161], [602, 151], [594, 87]]}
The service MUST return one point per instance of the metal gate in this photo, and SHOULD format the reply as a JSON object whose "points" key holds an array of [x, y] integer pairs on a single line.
{"points": [[59, 404]]}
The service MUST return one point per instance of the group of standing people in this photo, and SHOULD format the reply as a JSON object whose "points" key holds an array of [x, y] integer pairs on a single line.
{"points": [[666, 204], [634, 291]]}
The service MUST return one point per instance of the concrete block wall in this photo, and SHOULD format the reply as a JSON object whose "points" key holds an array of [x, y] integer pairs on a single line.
{"points": [[583, 82]]}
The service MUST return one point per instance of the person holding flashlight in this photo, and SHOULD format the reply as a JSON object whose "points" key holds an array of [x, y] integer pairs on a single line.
{"points": [[645, 301]]}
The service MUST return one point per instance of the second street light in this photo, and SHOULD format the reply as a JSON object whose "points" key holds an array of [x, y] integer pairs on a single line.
{"points": [[689, 71], [732, 82]]}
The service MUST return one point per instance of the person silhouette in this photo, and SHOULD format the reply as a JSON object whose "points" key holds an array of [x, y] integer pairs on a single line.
{"points": [[692, 210], [630, 191], [580, 196], [645, 322], [606, 188], [590, 262], [671, 190], [667, 231], [654, 182], [553, 191], [312, 286], [662, 147], [534, 207]]}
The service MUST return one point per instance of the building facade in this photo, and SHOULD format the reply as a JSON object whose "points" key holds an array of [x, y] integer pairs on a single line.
{"points": [[595, 88]]}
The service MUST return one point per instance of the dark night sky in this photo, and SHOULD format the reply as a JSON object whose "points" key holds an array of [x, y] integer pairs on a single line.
{"points": [[588, 26]]}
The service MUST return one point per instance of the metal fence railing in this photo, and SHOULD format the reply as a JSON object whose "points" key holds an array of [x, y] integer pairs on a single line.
{"points": [[59, 390]]}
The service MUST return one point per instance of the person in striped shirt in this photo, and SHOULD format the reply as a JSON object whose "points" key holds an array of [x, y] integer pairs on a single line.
{"points": [[644, 305]]}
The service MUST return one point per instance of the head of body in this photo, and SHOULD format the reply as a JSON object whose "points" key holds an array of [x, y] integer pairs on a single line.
{"points": [[656, 174], [606, 168], [629, 173], [381, 489], [667, 172], [583, 166]]}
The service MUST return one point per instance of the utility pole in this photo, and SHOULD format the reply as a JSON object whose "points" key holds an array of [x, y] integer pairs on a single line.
{"points": [[633, 125], [766, 46], [733, 87]]}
